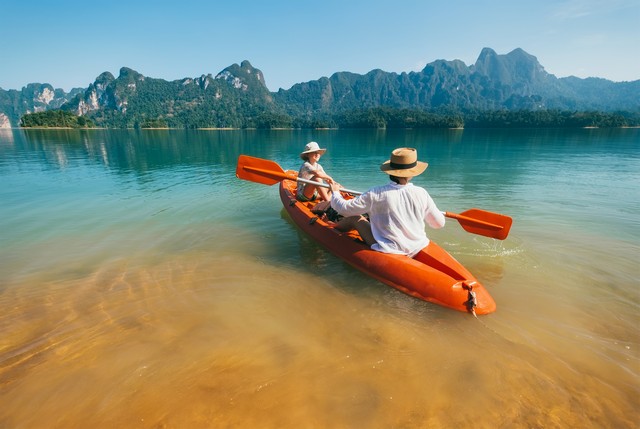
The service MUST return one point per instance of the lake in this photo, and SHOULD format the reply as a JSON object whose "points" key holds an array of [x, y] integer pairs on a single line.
{"points": [[143, 285]]}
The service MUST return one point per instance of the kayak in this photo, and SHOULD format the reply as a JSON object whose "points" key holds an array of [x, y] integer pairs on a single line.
{"points": [[433, 275]]}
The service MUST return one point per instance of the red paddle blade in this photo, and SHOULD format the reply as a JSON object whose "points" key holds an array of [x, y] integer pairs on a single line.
{"points": [[261, 171], [482, 222]]}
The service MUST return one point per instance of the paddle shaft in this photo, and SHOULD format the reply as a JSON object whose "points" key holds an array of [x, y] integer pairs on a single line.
{"points": [[447, 214], [326, 185], [284, 176], [455, 216]]}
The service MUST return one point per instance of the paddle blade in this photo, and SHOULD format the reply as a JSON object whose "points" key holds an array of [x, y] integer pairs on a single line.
{"points": [[482, 222], [261, 171]]}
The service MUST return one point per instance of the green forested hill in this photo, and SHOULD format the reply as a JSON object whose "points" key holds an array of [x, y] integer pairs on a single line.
{"points": [[235, 98], [498, 90]]}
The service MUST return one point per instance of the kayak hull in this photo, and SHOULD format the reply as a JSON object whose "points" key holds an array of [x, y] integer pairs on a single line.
{"points": [[433, 275]]}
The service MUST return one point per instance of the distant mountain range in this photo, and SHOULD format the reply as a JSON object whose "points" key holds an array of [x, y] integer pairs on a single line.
{"points": [[238, 96]]}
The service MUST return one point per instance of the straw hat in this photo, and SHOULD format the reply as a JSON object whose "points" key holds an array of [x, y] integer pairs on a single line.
{"points": [[311, 147], [404, 163]]}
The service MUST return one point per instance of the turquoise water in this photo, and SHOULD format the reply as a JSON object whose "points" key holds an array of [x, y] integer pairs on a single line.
{"points": [[142, 284]]}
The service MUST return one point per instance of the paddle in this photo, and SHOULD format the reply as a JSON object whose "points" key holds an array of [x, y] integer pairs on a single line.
{"points": [[475, 221], [482, 222], [269, 173]]}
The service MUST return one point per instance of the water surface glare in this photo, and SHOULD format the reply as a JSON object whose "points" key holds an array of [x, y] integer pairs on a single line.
{"points": [[143, 285]]}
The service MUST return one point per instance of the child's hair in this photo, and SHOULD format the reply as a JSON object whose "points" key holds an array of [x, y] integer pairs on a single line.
{"points": [[305, 157]]}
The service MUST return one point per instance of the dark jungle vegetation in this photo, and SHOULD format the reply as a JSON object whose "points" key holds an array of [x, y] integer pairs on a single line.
{"points": [[378, 117], [55, 119]]}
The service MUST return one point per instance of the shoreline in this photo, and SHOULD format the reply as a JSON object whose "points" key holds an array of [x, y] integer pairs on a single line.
{"points": [[314, 129]]}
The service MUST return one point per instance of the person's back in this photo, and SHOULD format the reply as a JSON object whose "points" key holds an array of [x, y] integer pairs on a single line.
{"points": [[398, 210], [398, 214]]}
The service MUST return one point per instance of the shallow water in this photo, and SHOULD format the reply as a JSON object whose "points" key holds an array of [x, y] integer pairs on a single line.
{"points": [[143, 285]]}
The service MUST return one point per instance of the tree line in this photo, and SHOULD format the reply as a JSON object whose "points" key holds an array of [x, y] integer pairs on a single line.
{"points": [[377, 118]]}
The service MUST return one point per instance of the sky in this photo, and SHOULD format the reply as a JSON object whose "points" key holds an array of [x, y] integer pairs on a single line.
{"points": [[68, 43]]}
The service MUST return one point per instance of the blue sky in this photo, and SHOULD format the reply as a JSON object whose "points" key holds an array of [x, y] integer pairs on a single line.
{"points": [[68, 43]]}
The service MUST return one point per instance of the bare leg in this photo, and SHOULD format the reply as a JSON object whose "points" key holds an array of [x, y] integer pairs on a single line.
{"points": [[359, 223], [364, 229], [310, 189], [324, 192], [321, 207]]}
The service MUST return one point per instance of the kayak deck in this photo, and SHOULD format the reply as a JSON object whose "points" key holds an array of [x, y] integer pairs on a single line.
{"points": [[432, 275]]}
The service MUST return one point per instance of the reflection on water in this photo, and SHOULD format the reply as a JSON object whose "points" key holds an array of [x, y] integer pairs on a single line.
{"points": [[142, 285]]}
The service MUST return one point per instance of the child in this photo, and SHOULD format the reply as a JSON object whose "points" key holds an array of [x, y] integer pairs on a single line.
{"points": [[312, 170]]}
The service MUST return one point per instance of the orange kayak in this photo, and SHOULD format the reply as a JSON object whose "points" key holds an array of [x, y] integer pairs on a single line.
{"points": [[432, 275]]}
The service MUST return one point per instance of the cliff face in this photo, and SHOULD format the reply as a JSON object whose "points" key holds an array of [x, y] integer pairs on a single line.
{"points": [[4, 121], [95, 96], [35, 97]]}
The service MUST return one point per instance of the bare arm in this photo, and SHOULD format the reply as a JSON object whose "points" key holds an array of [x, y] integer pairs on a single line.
{"points": [[319, 173]]}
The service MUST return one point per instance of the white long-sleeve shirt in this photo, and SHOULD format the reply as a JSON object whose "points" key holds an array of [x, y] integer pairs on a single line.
{"points": [[398, 214]]}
